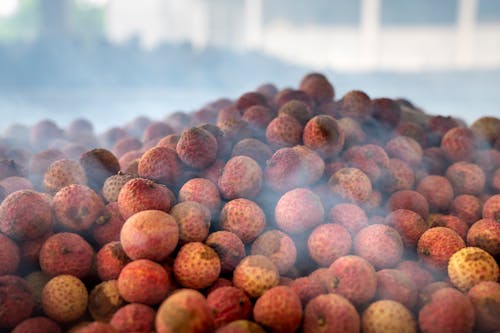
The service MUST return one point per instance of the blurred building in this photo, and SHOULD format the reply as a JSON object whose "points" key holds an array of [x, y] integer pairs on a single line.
{"points": [[346, 35]]}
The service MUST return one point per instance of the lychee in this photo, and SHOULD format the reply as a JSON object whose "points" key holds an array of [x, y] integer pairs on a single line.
{"points": [[328, 242], [355, 104], [459, 144], [349, 215], [64, 298], [485, 234], [110, 260], [410, 200], [253, 148], [283, 171], [370, 158], [284, 131], [99, 164], [438, 192], [277, 246], [485, 297], [244, 218], [330, 313], [437, 245], [419, 275], [405, 149], [350, 184], [396, 285], [197, 147], [323, 134], [409, 224], [380, 244], [134, 317], [241, 178], [62, 173], [299, 210], [16, 301], [387, 316], [229, 304], [10, 256], [104, 300], [471, 265], [108, 226], [37, 324], [466, 207], [466, 178], [255, 274], [202, 191], [491, 208]]}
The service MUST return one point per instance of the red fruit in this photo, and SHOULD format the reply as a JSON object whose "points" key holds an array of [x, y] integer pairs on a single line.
{"points": [[323, 134], [438, 126], [37, 324], [250, 99], [219, 283], [370, 158], [349, 215], [141, 194], [160, 164], [202, 191], [395, 285], [459, 144], [184, 311], [255, 274], [284, 131], [287, 95], [229, 304], [16, 301], [448, 310], [437, 245], [197, 148], [40, 162], [77, 207], [279, 309], [107, 228], [355, 104], [466, 207], [353, 132], [398, 176], [413, 130], [449, 221], [155, 130], [196, 265], [104, 300], [99, 164], [350, 184], [110, 260], [387, 316], [330, 313], [485, 297], [386, 111], [307, 288], [312, 166], [299, 210], [144, 281], [283, 171], [149, 234], [491, 208], [466, 178], [15, 183], [405, 149], [420, 276], [318, 87], [240, 178], [352, 277], [66, 253], [253, 148], [409, 224], [62, 173], [410, 200], [193, 220], [485, 234], [25, 215], [258, 117], [64, 298], [278, 247], [229, 248], [380, 244], [297, 109], [9, 256], [438, 192], [134, 317], [113, 184], [244, 218], [328, 242]]}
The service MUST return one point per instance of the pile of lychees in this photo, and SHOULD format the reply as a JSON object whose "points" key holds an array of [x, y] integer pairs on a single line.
{"points": [[286, 210]]}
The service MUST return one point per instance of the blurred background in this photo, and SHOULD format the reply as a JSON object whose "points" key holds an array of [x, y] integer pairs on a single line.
{"points": [[112, 60]]}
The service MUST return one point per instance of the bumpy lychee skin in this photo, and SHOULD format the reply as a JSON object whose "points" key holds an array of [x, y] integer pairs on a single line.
{"points": [[99, 164], [355, 104], [202, 191], [104, 300], [37, 324], [144, 281], [349, 215], [447, 311], [485, 297], [108, 226], [466, 178], [113, 184], [149, 234], [229, 248], [352, 277], [396, 285], [197, 147], [279, 309], [466, 207], [408, 199], [244, 218], [16, 301], [307, 288], [328, 242], [491, 208], [39, 163], [312, 165], [229, 304], [287, 94], [419, 275], [459, 144], [9, 256], [62, 173], [134, 317], [409, 224], [284, 131], [255, 274], [437, 245], [141, 194], [323, 134], [425, 293], [77, 207], [277, 246], [380, 244], [253, 148], [184, 311], [283, 171], [240, 178], [330, 313], [370, 158], [110, 260], [160, 164], [25, 215], [405, 148], [66, 253], [299, 210], [258, 117], [64, 298], [193, 220], [387, 316], [438, 192], [398, 176], [350, 184], [471, 265], [297, 109], [196, 265], [449, 221], [485, 234], [317, 86]]}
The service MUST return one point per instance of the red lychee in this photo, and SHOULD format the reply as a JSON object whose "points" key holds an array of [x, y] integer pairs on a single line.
{"points": [[284, 131], [229, 248], [459, 144], [197, 147], [160, 164], [240, 178], [491, 208], [229, 304], [355, 104], [466, 178], [62, 173], [410, 200], [193, 220], [420, 276], [299, 210], [380, 244], [350, 184], [202, 191], [330, 313], [323, 134], [437, 245], [255, 274], [438, 192], [134, 317], [107, 228], [9, 256], [370, 158], [277, 246], [466, 207], [110, 260], [99, 164], [37, 324], [485, 297], [409, 224], [244, 218], [16, 301], [395, 285], [328, 242]]}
